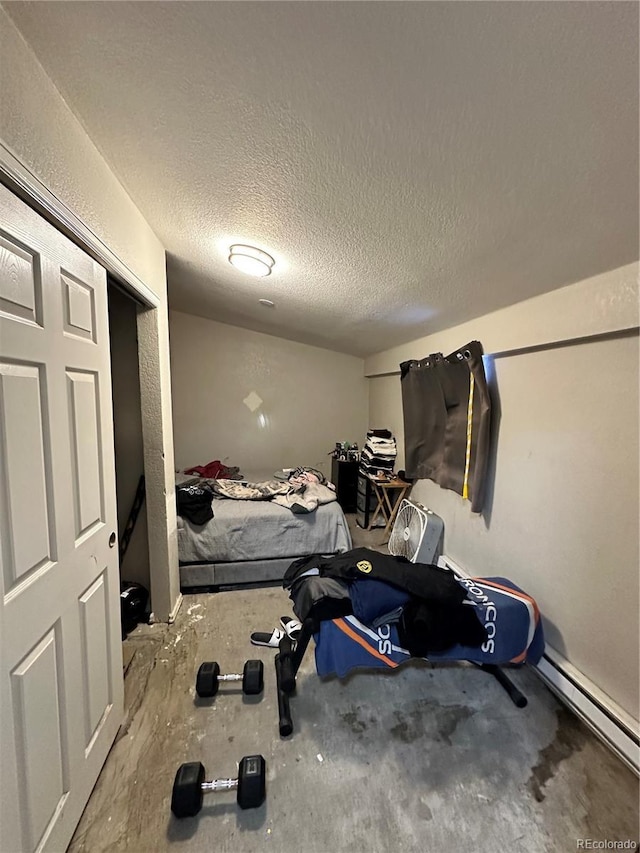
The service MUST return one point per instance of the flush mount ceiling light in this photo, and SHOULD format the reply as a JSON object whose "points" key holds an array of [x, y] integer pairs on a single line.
{"points": [[250, 260]]}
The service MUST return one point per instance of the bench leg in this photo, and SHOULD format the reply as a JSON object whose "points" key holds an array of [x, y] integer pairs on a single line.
{"points": [[287, 664], [518, 698], [285, 723]]}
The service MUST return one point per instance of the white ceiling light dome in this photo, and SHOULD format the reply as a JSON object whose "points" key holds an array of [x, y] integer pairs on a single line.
{"points": [[250, 260]]}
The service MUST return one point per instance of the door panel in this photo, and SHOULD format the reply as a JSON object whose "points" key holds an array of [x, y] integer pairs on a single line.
{"points": [[85, 454], [37, 703], [25, 527], [79, 313], [20, 294], [61, 690], [94, 628]]}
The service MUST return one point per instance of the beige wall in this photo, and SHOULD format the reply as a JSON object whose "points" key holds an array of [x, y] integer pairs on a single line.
{"points": [[40, 130], [311, 398], [562, 512]]}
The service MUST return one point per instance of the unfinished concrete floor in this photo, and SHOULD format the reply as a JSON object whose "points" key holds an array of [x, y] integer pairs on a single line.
{"points": [[421, 759]]}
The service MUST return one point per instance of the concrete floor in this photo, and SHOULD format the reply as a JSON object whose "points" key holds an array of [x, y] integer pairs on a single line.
{"points": [[418, 759]]}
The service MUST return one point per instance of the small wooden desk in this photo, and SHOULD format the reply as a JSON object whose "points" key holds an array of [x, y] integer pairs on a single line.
{"points": [[389, 494]]}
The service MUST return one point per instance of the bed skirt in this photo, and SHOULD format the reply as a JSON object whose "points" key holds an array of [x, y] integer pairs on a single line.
{"points": [[204, 576]]}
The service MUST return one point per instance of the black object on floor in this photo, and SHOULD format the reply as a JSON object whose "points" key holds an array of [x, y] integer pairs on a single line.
{"points": [[134, 598], [189, 786], [209, 678]]}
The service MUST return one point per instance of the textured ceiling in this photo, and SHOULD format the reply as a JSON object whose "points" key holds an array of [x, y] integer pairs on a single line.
{"points": [[409, 165]]}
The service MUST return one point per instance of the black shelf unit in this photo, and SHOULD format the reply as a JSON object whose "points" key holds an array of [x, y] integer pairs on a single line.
{"points": [[366, 503], [344, 476]]}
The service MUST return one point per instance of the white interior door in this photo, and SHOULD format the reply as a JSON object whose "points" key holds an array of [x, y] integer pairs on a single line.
{"points": [[61, 693]]}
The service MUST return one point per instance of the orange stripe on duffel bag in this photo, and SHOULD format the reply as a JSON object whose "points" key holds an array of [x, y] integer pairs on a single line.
{"points": [[518, 593], [342, 625]]}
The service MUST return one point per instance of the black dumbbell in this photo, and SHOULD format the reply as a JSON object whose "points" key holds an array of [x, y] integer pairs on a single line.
{"points": [[189, 786], [209, 678]]}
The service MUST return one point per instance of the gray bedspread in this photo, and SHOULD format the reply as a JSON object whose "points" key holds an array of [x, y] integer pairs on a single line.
{"points": [[261, 530]]}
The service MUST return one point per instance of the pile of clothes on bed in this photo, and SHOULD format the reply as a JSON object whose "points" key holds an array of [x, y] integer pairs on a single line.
{"points": [[215, 470], [304, 490]]}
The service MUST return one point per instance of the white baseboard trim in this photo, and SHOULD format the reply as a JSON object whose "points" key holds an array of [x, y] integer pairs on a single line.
{"points": [[172, 615], [617, 729], [445, 562], [611, 723], [176, 607]]}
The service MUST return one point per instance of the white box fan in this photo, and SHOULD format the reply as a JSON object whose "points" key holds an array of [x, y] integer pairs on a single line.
{"points": [[416, 533]]}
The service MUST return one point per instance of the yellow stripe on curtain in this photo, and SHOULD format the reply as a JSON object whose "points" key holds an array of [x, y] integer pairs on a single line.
{"points": [[467, 461]]}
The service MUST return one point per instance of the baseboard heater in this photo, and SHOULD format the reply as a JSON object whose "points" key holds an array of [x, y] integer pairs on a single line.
{"points": [[617, 729], [608, 721]]}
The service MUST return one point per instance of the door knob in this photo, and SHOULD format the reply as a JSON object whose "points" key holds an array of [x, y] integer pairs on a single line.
{"points": [[112, 539]]}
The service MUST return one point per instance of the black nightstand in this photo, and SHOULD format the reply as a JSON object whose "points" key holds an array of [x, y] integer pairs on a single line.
{"points": [[344, 476]]}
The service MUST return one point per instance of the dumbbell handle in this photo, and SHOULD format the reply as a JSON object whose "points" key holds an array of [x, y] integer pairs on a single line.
{"points": [[219, 785], [233, 677]]}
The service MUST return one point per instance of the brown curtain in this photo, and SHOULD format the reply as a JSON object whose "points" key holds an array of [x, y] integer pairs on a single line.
{"points": [[447, 414]]}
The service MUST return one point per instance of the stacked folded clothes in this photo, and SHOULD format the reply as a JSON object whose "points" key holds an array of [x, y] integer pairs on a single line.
{"points": [[379, 452]]}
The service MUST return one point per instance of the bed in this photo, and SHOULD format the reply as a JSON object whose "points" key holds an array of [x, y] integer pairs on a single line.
{"points": [[253, 542]]}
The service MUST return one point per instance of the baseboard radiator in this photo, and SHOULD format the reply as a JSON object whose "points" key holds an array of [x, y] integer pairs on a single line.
{"points": [[614, 726]]}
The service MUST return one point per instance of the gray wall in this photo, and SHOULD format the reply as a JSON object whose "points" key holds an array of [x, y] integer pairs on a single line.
{"points": [[561, 518], [311, 398]]}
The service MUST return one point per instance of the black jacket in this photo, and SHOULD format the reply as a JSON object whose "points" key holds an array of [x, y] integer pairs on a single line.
{"points": [[421, 579], [434, 619]]}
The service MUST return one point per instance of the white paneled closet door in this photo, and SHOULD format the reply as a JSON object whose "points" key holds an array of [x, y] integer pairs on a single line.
{"points": [[61, 688]]}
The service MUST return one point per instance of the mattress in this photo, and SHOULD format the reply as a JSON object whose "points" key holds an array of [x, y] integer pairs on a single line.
{"points": [[255, 541]]}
